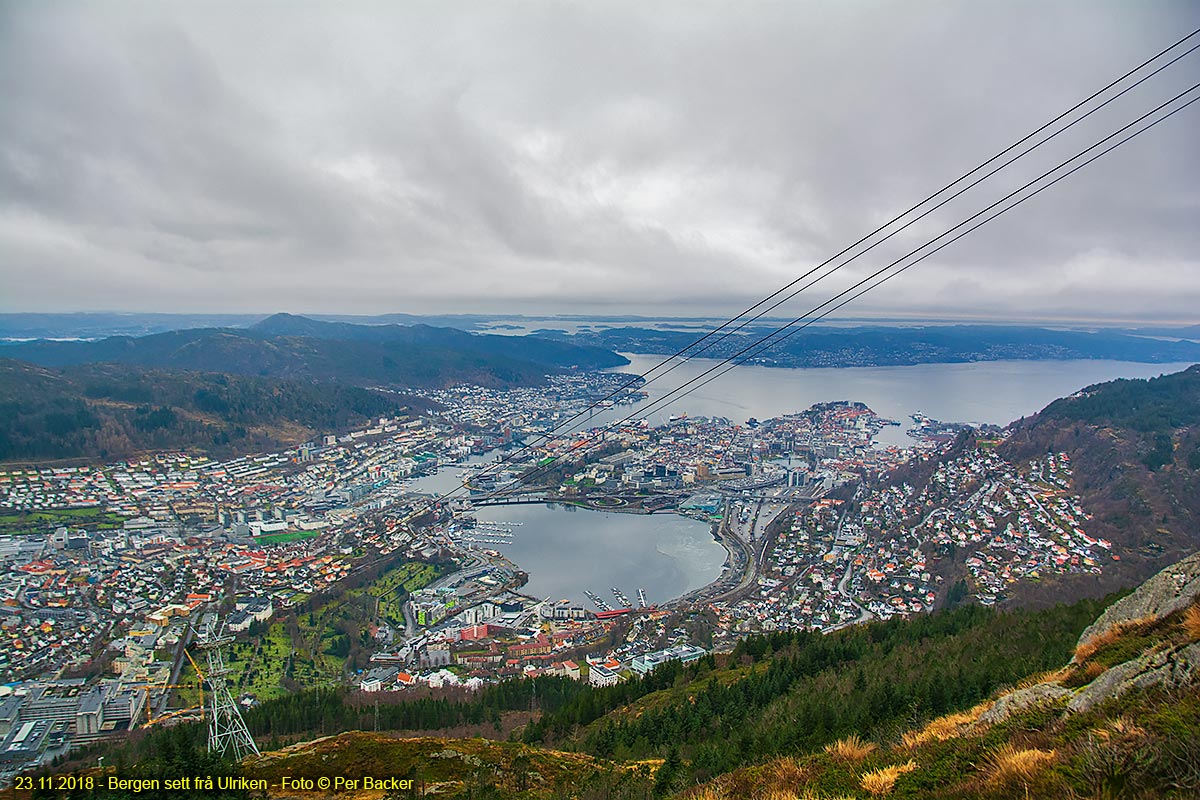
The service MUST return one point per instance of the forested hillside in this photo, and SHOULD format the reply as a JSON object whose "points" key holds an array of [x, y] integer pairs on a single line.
{"points": [[299, 348], [105, 412], [1135, 448], [780, 713], [798, 691], [972, 704]]}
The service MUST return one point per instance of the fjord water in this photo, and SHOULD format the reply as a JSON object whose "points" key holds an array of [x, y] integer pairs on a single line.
{"points": [[997, 392], [566, 551]]}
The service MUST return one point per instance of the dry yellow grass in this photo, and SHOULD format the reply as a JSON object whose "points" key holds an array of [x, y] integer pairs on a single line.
{"points": [[1009, 765], [1091, 671], [1122, 729], [938, 730], [1087, 649], [1191, 623], [851, 748], [946, 727], [710, 793], [881, 781], [785, 773], [1049, 676], [780, 779]]}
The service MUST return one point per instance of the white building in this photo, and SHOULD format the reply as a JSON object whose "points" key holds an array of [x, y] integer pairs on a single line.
{"points": [[600, 675]]}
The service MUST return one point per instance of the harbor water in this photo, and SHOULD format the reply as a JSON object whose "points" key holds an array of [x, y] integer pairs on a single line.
{"points": [[567, 551]]}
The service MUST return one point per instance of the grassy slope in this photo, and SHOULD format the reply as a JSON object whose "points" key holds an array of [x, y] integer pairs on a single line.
{"points": [[814, 688], [445, 767], [1143, 744]]}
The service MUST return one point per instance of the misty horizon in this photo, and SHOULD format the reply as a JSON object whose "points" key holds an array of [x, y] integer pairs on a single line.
{"points": [[649, 160]]}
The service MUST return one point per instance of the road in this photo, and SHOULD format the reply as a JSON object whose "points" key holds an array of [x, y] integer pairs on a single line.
{"points": [[742, 552], [741, 561], [863, 614]]}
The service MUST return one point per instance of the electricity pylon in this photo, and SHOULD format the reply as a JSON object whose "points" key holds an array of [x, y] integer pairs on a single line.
{"points": [[226, 728]]}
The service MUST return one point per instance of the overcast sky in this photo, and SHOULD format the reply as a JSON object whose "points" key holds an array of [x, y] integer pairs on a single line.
{"points": [[648, 157]]}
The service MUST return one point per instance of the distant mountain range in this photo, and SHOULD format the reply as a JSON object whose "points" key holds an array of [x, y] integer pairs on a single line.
{"points": [[108, 412], [899, 346], [293, 347], [97, 325]]}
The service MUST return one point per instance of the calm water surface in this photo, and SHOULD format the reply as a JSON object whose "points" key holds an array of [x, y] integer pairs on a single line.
{"points": [[567, 551], [998, 392]]}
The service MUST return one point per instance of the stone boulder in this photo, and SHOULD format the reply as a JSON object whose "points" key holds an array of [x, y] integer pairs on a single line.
{"points": [[1017, 701], [1170, 668], [1168, 591]]}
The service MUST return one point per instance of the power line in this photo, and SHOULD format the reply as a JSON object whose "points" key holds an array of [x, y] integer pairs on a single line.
{"points": [[954, 196], [741, 326], [940, 247], [763, 343], [569, 422]]}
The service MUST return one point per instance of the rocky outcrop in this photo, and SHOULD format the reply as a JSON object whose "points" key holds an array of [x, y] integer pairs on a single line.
{"points": [[1168, 591], [1020, 700], [1170, 668]]}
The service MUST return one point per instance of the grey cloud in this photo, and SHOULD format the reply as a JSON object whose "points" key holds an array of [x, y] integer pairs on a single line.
{"points": [[554, 157]]}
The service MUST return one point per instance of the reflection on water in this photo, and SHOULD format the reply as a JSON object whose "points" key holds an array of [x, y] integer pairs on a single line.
{"points": [[997, 392], [567, 550]]}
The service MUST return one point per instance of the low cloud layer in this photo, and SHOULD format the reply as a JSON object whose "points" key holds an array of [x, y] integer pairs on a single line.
{"points": [[662, 158]]}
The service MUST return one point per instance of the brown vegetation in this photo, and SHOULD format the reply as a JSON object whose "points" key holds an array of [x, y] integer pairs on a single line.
{"points": [[1010, 765], [713, 793], [778, 779], [1089, 648], [946, 727], [785, 772], [1121, 729], [1083, 674], [1049, 676], [1191, 622], [881, 781], [851, 748]]}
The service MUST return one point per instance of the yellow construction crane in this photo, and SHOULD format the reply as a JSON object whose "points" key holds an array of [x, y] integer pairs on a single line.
{"points": [[173, 714], [150, 688], [200, 676], [199, 684]]}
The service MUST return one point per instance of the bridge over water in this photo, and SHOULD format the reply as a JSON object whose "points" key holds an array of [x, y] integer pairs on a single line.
{"points": [[525, 498]]}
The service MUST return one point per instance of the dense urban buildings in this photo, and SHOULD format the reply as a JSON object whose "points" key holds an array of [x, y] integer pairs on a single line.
{"points": [[332, 565]]}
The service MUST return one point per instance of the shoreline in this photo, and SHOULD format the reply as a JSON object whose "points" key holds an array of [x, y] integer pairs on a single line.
{"points": [[726, 568]]}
